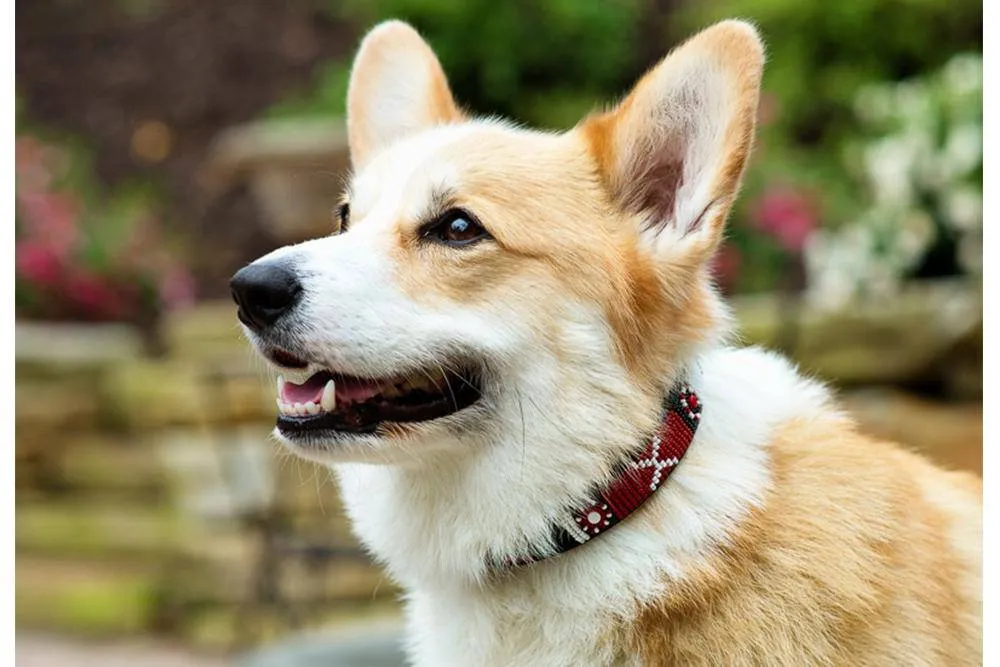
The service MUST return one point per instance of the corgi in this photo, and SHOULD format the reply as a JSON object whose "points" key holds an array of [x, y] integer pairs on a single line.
{"points": [[513, 358]]}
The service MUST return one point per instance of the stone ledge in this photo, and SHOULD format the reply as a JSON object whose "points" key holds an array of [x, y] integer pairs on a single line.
{"points": [[88, 529], [85, 598]]}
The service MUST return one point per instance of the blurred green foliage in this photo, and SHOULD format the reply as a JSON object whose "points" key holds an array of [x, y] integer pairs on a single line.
{"points": [[820, 54], [920, 161], [543, 63], [549, 63]]}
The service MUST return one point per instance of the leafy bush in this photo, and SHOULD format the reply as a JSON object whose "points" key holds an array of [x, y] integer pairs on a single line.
{"points": [[76, 259], [820, 55], [548, 63], [544, 63], [922, 167]]}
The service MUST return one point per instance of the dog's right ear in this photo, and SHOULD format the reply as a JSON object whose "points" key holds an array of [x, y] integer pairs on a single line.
{"points": [[397, 87]]}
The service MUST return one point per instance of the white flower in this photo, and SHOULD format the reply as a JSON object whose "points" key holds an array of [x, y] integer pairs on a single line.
{"points": [[887, 163], [964, 148], [914, 105], [964, 74], [829, 286], [882, 281], [909, 94], [963, 209], [872, 256]]}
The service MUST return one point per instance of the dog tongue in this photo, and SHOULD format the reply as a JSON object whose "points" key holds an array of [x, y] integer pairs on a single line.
{"points": [[310, 390], [348, 389]]}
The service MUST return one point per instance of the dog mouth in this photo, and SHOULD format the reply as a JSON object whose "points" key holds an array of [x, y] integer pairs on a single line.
{"points": [[329, 401]]}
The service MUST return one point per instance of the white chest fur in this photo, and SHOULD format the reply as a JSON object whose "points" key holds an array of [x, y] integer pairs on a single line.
{"points": [[561, 611]]}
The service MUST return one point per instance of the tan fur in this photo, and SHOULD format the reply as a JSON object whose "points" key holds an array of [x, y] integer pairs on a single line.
{"points": [[556, 233], [864, 555], [618, 148]]}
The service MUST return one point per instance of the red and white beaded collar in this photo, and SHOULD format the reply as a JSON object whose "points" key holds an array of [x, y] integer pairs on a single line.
{"points": [[639, 478]]}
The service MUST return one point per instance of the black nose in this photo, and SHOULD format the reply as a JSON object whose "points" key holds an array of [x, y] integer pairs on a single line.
{"points": [[264, 292]]}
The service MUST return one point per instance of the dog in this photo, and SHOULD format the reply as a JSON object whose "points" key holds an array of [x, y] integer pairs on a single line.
{"points": [[512, 355]]}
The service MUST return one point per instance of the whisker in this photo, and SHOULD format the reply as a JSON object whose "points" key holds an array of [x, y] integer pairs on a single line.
{"points": [[524, 439], [444, 374], [431, 378]]}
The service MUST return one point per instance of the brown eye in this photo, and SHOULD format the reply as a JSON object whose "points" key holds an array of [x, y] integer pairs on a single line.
{"points": [[456, 228], [344, 214]]}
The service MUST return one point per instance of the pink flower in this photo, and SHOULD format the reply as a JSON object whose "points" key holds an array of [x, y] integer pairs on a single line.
{"points": [[53, 217], [94, 295], [788, 215], [177, 288], [38, 262]]}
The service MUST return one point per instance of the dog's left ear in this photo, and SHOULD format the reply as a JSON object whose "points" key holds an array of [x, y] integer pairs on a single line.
{"points": [[397, 87], [673, 151]]}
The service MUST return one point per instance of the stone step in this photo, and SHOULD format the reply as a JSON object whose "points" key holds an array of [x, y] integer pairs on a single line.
{"points": [[95, 464], [47, 407], [148, 395], [49, 349], [91, 529], [234, 576], [86, 598], [926, 329], [246, 628]]}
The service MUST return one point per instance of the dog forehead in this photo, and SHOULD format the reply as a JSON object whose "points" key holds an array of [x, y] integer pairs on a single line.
{"points": [[448, 158], [397, 177]]}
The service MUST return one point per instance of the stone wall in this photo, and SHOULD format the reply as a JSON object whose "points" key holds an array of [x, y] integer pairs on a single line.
{"points": [[151, 499]]}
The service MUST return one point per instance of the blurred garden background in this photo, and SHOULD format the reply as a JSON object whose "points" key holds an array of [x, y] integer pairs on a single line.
{"points": [[161, 144]]}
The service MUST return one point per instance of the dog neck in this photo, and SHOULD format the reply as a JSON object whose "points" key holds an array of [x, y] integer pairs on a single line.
{"points": [[639, 476], [430, 527], [454, 517]]}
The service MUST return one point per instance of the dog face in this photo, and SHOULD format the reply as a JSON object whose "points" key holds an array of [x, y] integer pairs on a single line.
{"points": [[488, 280]]}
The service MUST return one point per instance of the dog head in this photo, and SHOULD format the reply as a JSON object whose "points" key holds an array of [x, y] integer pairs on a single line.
{"points": [[489, 280]]}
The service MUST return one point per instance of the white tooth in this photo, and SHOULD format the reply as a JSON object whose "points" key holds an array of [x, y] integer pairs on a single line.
{"points": [[300, 409], [280, 408], [312, 408], [281, 385], [329, 399]]}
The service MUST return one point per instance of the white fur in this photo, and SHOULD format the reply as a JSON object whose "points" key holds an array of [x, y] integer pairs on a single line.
{"points": [[556, 416], [354, 317], [558, 410], [428, 526]]}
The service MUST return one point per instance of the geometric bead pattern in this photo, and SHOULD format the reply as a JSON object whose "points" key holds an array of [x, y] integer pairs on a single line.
{"points": [[640, 476]]}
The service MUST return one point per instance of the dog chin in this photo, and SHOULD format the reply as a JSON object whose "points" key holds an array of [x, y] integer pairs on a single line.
{"points": [[394, 444]]}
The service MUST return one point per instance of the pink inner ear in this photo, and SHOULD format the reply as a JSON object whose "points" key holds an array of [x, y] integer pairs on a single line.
{"points": [[657, 142], [655, 189]]}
